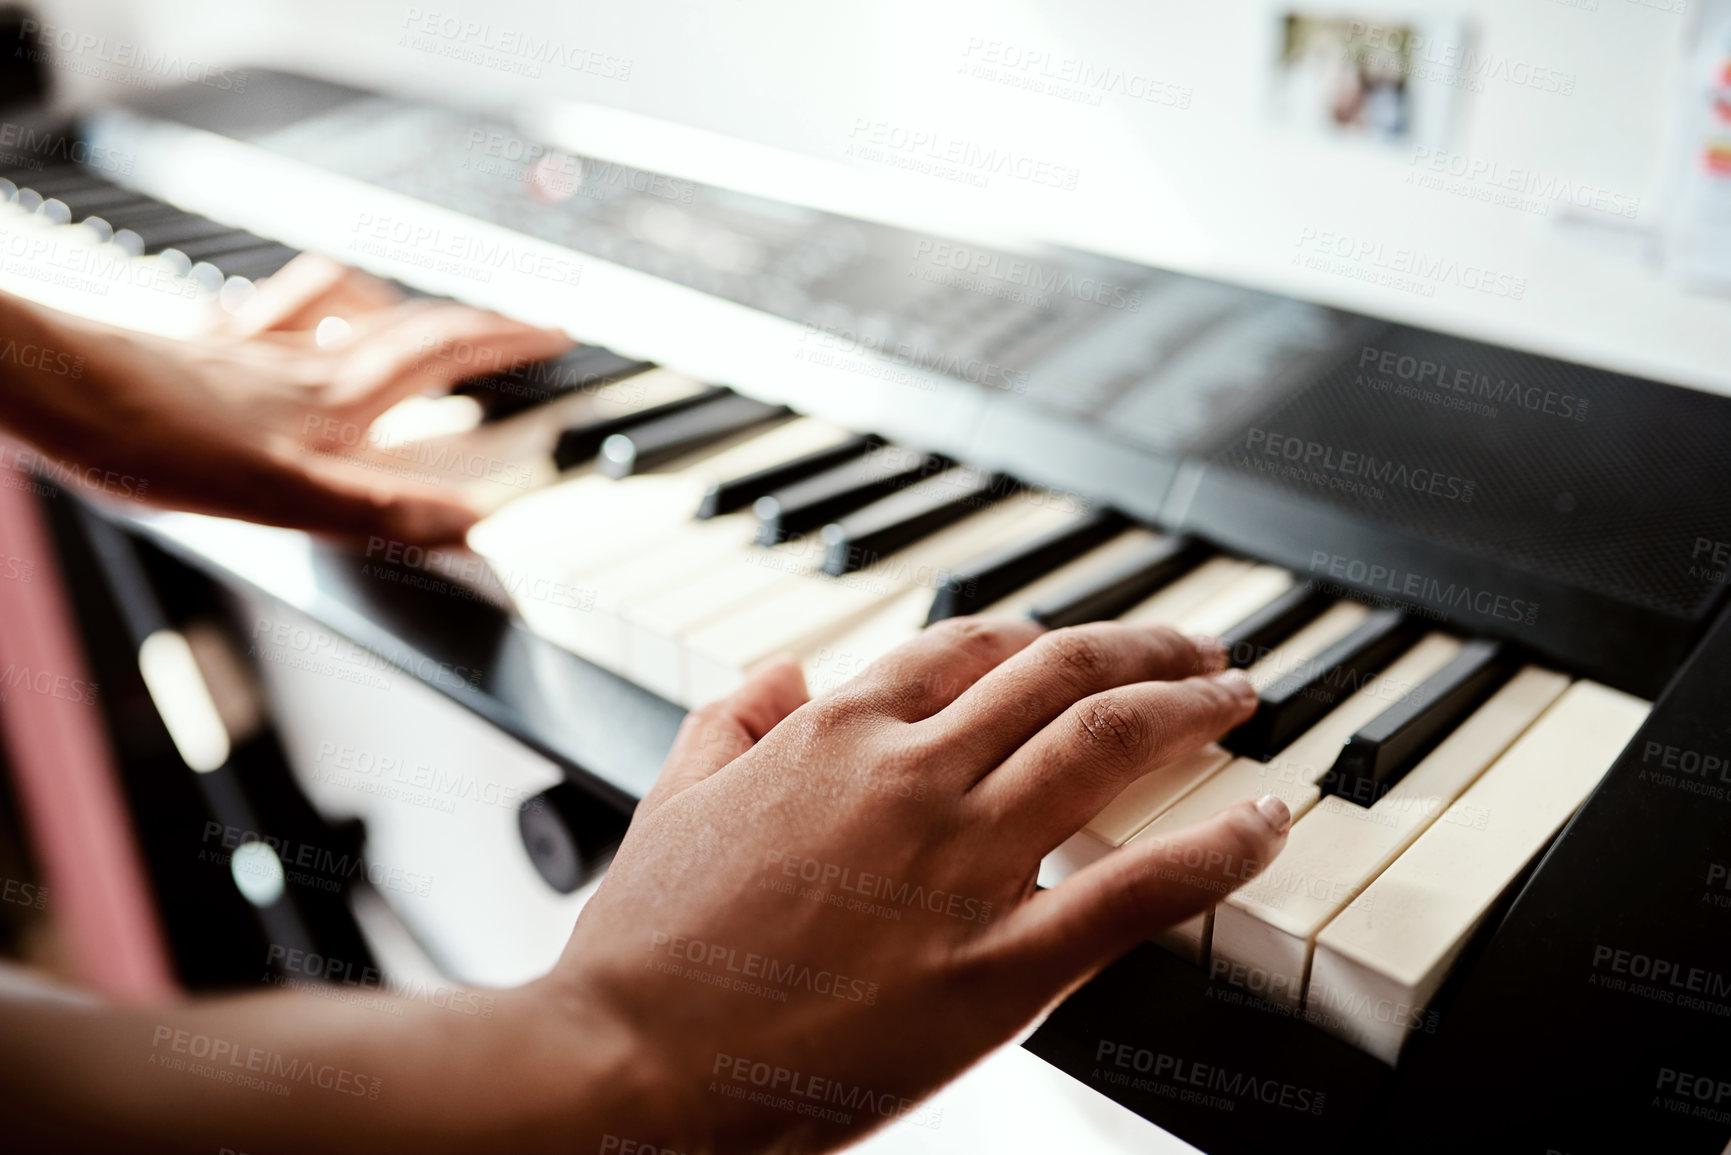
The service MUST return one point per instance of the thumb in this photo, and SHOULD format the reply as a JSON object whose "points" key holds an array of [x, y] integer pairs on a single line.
{"points": [[1069, 932], [715, 734]]}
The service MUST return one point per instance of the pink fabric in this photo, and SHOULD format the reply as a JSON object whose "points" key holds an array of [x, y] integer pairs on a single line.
{"points": [[63, 773]]}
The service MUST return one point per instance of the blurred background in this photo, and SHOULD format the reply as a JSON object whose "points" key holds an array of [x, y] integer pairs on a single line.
{"points": [[1561, 147]]}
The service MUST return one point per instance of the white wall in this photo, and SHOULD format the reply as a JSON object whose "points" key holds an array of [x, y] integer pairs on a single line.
{"points": [[1213, 187]]}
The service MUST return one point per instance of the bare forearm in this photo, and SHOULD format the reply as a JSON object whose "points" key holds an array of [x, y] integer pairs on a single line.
{"points": [[293, 1073], [39, 351]]}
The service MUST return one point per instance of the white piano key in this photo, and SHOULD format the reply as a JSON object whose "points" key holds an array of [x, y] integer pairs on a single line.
{"points": [[580, 524], [596, 631], [1380, 961], [850, 653], [423, 418], [805, 612], [1236, 601], [77, 271], [654, 628], [1330, 626], [500, 462], [1292, 774], [589, 522], [1263, 934], [1188, 938], [1136, 806], [1172, 601], [839, 660]]}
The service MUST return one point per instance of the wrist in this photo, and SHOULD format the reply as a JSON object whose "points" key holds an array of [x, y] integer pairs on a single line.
{"points": [[607, 1087]]}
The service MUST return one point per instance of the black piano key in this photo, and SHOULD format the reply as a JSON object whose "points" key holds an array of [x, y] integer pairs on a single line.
{"points": [[580, 443], [174, 231], [52, 181], [110, 201], [261, 254], [157, 210], [257, 264], [736, 493], [1291, 705], [98, 199], [985, 580], [656, 442], [502, 395], [894, 522], [1113, 592], [811, 504], [1393, 742], [29, 171], [213, 248], [1255, 637]]}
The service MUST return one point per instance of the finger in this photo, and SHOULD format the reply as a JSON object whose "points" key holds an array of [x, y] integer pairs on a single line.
{"points": [[714, 735], [428, 346], [306, 291], [1067, 933], [1012, 703], [920, 677], [319, 495], [1070, 770]]}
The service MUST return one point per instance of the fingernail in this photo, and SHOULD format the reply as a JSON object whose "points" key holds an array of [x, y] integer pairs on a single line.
{"points": [[1238, 682], [1210, 651], [1275, 813]]}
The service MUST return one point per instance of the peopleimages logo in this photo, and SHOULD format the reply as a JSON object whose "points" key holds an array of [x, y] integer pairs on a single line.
{"points": [[38, 147], [1440, 375], [978, 269], [78, 50], [1403, 267], [937, 153], [1357, 465], [1423, 589], [847, 880], [224, 1060], [726, 960], [1177, 1072], [1482, 177]]}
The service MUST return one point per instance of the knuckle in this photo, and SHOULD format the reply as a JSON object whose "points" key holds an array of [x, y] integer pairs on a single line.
{"points": [[981, 638], [1112, 727], [903, 763], [1079, 652], [707, 724], [833, 711]]}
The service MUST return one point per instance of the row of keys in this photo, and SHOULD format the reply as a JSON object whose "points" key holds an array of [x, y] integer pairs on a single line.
{"points": [[1424, 771], [680, 533], [137, 225], [1359, 920], [104, 251]]}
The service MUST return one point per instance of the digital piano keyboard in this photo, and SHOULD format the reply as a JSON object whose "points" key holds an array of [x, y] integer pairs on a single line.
{"points": [[1477, 589]]}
